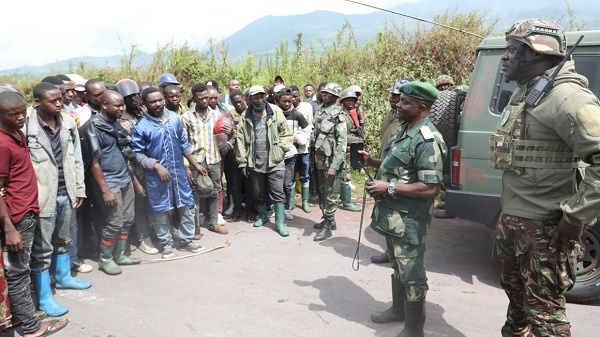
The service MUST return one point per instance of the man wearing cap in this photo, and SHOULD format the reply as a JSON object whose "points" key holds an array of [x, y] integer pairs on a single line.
{"points": [[262, 140], [544, 212], [444, 82], [409, 178], [165, 80], [278, 80], [93, 91], [330, 140]]}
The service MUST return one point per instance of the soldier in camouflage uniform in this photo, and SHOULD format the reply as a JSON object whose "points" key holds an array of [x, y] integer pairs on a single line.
{"points": [[540, 147], [348, 101], [409, 178], [330, 141]]}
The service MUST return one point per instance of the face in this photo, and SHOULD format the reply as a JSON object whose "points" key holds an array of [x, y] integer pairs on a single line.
{"points": [[94, 93], [173, 98], [113, 107], [286, 102], [50, 103], [443, 87], [213, 98], [296, 98], [394, 99], [258, 100], [201, 100], [155, 104], [408, 108], [277, 82], [309, 91], [234, 84], [349, 103], [508, 61], [12, 116], [327, 98], [239, 104], [69, 92], [132, 102]]}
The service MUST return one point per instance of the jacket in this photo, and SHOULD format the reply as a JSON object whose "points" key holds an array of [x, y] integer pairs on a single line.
{"points": [[280, 137], [45, 166]]}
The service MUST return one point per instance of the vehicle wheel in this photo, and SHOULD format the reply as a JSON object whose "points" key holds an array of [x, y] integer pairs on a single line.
{"points": [[444, 115], [587, 286]]}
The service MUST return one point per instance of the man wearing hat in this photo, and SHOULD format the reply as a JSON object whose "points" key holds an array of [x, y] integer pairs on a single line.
{"points": [[444, 82], [330, 136], [409, 178], [544, 212], [165, 80], [262, 140]]}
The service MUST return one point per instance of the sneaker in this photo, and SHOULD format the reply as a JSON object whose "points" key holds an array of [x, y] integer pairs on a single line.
{"points": [[147, 246], [168, 252], [220, 220], [81, 267], [192, 247], [288, 215]]}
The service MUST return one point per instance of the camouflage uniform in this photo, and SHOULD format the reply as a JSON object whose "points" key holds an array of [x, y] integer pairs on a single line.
{"points": [[539, 148], [411, 156]]}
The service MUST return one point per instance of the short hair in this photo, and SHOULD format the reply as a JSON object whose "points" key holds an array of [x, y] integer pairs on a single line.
{"points": [[199, 87], [42, 88], [171, 87], [294, 88], [52, 80], [63, 77], [213, 83], [10, 97], [308, 85], [147, 92], [235, 92], [210, 87], [322, 85], [110, 94], [91, 82]]}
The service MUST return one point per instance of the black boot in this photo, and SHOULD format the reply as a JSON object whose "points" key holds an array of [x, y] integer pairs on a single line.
{"points": [[383, 258], [325, 232], [322, 223], [415, 319], [396, 312]]}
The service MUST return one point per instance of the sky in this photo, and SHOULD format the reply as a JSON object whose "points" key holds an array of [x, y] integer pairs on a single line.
{"points": [[41, 32]]}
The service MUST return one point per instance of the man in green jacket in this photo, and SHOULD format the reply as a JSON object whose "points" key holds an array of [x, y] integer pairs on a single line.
{"points": [[262, 140]]}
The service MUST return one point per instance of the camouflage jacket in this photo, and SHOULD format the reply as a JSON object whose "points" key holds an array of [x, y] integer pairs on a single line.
{"points": [[330, 137], [389, 127], [568, 115], [353, 136], [411, 156]]}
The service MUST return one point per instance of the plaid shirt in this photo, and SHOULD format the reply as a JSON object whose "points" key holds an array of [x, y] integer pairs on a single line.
{"points": [[200, 135]]}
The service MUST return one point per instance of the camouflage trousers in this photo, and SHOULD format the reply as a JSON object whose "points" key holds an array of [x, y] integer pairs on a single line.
{"points": [[409, 267], [329, 192], [347, 175], [534, 278]]}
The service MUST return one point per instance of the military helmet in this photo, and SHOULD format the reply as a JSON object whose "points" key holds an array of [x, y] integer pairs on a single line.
{"points": [[542, 35], [165, 79], [444, 79], [395, 88], [333, 88], [462, 89], [347, 93], [127, 87]]}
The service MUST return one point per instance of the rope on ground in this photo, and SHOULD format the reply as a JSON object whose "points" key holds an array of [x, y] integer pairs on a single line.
{"points": [[224, 245]]}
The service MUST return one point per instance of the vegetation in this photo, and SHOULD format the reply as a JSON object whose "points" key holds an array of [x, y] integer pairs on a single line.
{"points": [[394, 53]]}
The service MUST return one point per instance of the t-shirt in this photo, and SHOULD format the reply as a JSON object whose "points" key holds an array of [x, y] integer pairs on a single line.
{"points": [[112, 161], [19, 176], [261, 143]]}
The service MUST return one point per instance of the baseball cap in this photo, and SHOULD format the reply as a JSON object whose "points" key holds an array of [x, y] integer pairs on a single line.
{"points": [[257, 89], [277, 88]]}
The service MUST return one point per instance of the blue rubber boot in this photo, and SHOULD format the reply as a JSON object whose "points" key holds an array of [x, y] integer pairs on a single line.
{"points": [[61, 266], [43, 292]]}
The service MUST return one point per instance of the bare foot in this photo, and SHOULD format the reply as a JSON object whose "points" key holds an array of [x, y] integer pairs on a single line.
{"points": [[49, 327]]}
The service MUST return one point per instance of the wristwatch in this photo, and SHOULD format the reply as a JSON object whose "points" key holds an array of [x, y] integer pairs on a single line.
{"points": [[391, 190]]}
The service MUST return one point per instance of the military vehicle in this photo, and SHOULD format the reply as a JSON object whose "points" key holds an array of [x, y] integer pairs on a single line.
{"points": [[472, 186]]}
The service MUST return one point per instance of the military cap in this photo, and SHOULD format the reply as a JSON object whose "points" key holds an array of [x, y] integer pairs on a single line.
{"points": [[333, 88], [542, 35], [421, 90]]}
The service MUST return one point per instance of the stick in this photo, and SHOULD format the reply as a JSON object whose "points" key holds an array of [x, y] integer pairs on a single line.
{"points": [[147, 261]]}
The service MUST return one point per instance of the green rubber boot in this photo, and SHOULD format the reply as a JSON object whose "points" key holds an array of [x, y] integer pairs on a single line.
{"points": [[119, 253], [292, 203], [262, 216], [106, 262], [305, 196], [280, 220], [347, 203]]}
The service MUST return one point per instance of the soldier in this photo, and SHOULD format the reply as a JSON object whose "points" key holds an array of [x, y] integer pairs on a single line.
{"points": [[543, 211], [330, 141], [444, 82], [409, 178], [348, 100]]}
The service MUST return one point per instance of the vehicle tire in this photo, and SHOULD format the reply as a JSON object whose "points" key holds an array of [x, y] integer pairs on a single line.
{"points": [[587, 286], [444, 115]]}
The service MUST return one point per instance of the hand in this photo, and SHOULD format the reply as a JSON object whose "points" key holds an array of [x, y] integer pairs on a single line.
{"points": [[190, 176], [331, 173], [109, 198], [139, 188], [245, 172], [227, 129], [202, 170], [14, 240], [3, 193], [366, 157], [79, 202], [162, 172], [376, 188], [566, 232]]}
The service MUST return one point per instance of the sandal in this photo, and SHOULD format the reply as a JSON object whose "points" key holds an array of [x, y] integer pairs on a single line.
{"points": [[48, 331], [13, 324]]}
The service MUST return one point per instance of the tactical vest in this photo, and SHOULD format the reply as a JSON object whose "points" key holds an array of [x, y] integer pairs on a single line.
{"points": [[510, 153], [325, 141]]}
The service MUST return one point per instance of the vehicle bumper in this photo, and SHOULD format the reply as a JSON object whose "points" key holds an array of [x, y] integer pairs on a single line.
{"points": [[478, 207]]}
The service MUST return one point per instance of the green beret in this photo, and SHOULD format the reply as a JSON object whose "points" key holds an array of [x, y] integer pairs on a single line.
{"points": [[421, 90]]}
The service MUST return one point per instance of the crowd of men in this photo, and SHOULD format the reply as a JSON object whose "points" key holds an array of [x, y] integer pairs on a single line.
{"points": [[110, 159]]}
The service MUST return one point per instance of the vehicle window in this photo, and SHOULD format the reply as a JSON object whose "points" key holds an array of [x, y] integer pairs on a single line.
{"points": [[587, 65]]}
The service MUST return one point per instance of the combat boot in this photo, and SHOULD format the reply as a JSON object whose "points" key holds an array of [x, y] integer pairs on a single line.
{"points": [[279, 219], [106, 262], [305, 195], [347, 203], [383, 258], [415, 319], [119, 253], [320, 225], [325, 232], [262, 216], [396, 312]]}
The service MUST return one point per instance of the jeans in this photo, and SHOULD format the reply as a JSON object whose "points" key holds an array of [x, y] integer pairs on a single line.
{"points": [[52, 234], [290, 178], [162, 226], [18, 279], [303, 166], [72, 248], [119, 218]]}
